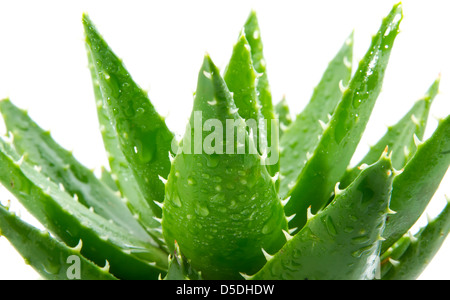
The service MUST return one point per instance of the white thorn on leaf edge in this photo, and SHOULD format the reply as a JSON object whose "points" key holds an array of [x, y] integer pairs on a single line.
{"points": [[417, 141], [287, 235], [309, 215], [285, 201], [160, 204], [246, 277], [106, 267], [394, 262], [164, 181], [415, 120], [290, 217], [412, 238], [78, 247], [323, 125], [266, 255], [342, 88], [337, 190]]}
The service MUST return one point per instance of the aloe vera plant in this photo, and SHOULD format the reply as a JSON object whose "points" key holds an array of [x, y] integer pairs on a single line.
{"points": [[247, 193]]}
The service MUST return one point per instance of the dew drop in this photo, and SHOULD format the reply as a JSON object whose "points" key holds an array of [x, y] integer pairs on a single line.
{"points": [[266, 229], [212, 161], [360, 239], [330, 226], [176, 200], [191, 181], [202, 210], [233, 204], [357, 103], [52, 268], [360, 252]]}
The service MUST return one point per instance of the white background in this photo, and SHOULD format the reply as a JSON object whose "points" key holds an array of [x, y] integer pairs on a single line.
{"points": [[43, 66]]}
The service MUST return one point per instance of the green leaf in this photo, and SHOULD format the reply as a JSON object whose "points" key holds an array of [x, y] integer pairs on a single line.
{"points": [[240, 77], [253, 36], [241, 80], [339, 140], [49, 257], [301, 138], [342, 241], [143, 135], [416, 185], [399, 138], [39, 148], [125, 179], [417, 251], [69, 220], [221, 204]]}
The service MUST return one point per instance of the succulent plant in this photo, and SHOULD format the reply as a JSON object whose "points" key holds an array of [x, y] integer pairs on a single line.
{"points": [[247, 193]]}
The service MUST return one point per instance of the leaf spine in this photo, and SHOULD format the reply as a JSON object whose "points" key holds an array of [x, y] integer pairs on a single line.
{"points": [[275, 177], [346, 62], [160, 204], [337, 191], [309, 215], [342, 88], [78, 247], [292, 230], [363, 166], [289, 218], [164, 181], [246, 276], [285, 201], [287, 235], [417, 141], [412, 238], [394, 262], [20, 161], [415, 120], [159, 220], [106, 267], [390, 211], [323, 125], [266, 255]]}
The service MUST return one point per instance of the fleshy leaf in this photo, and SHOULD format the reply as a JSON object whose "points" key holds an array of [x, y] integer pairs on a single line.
{"points": [[342, 134], [240, 77], [71, 221], [343, 240], [300, 138], [49, 257], [400, 137], [253, 36], [39, 148], [125, 179], [416, 185], [143, 135], [221, 204], [410, 255]]}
